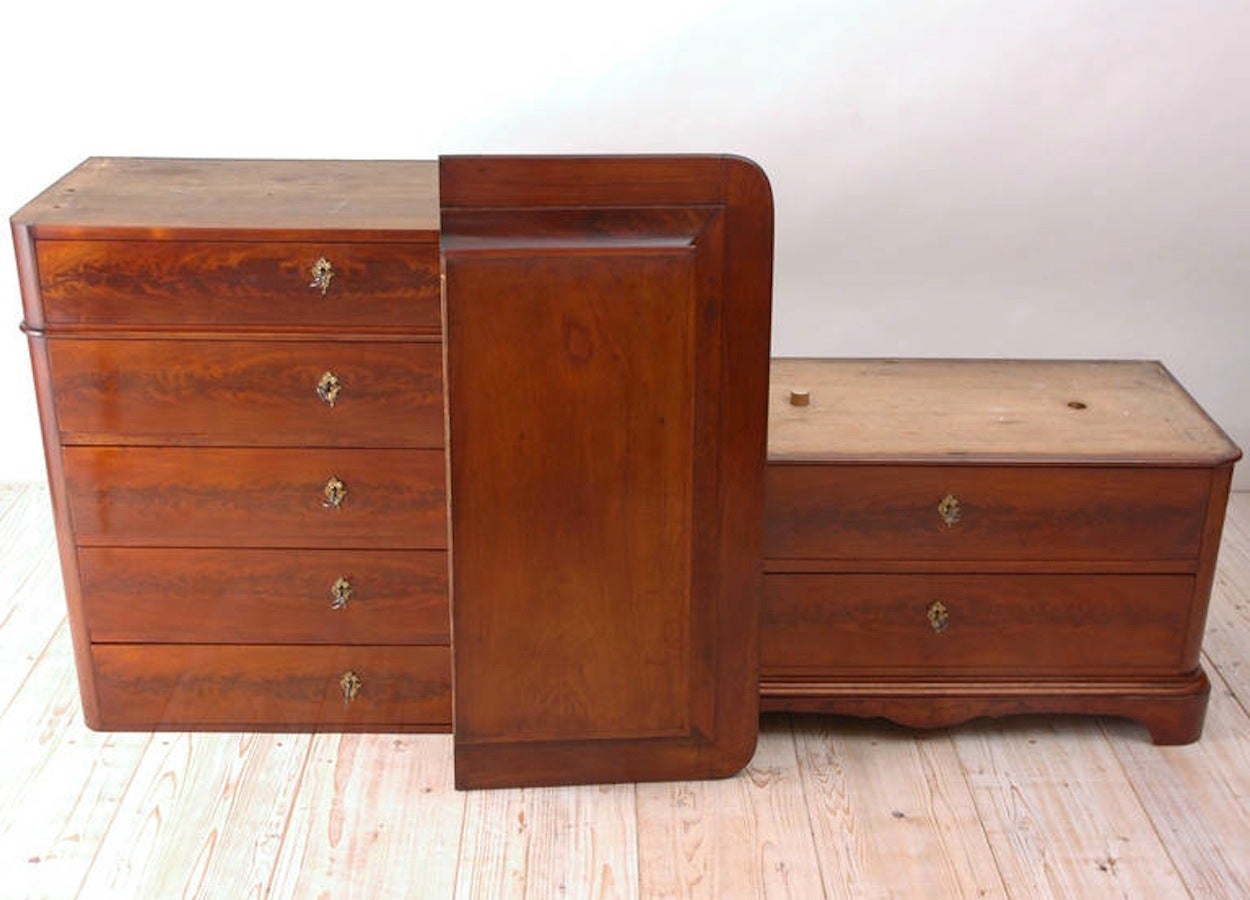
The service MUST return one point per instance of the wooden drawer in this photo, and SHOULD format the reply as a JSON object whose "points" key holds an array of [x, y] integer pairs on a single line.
{"points": [[852, 512], [1009, 624], [172, 686], [165, 284], [214, 497], [199, 596], [240, 393]]}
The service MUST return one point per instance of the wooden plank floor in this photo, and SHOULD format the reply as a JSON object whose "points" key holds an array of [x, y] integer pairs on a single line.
{"points": [[1029, 807]]}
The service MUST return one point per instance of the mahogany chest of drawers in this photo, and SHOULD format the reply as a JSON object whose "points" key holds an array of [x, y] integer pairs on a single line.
{"points": [[239, 374], [952, 539]]}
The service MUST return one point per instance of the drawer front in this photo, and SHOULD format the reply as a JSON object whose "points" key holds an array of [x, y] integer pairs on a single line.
{"points": [[172, 686], [239, 393], [145, 284], [1007, 624], [206, 497], [204, 596], [1001, 513]]}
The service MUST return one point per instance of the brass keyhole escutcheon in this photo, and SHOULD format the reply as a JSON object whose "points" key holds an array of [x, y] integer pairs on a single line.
{"points": [[939, 616], [350, 684], [949, 510], [322, 275], [328, 388], [335, 492], [340, 593]]}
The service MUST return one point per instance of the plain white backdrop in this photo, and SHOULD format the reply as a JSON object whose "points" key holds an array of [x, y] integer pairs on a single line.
{"points": [[981, 178]]}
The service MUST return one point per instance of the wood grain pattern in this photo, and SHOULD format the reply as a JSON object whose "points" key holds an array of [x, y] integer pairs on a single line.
{"points": [[208, 596], [1212, 532], [570, 227], [24, 626], [983, 566], [59, 495], [744, 837], [512, 182], [542, 843], [204, 497], [27, 277], [1006, 512], [217, 284], [173, 196], [62, 784], [606, 469], [1064, 822], [1228, 625], [996, 624], [229, 687], [203, 817], [883, 833], [582, 526], [1195, 795], [924, 410], [365, 828], [253, 393], [29, 563]]}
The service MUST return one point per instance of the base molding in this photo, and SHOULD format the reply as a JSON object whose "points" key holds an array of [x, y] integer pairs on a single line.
{"points": [[1172, 708]]}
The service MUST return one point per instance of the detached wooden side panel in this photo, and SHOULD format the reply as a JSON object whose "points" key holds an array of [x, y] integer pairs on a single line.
{"points": [[573, 491], [606, 397]]}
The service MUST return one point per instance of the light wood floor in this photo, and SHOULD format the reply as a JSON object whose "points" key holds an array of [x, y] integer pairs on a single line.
{"points": [[1036, 807]]}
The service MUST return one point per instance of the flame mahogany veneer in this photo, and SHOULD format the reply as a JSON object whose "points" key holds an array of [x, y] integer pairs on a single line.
{"points": [[179, 341]]}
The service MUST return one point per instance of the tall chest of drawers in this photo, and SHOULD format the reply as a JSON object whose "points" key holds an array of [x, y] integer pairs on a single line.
{"points": [[952, 539], [238, 367]]}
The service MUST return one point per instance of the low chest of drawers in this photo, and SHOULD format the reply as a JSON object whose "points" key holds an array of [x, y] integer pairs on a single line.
{"points": [[239, 374], [952, 539]]}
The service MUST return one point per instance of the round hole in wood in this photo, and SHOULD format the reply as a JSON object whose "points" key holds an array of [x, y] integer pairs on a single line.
{"points": [[1076, 404]]}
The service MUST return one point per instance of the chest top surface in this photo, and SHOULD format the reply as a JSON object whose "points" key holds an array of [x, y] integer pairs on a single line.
{"points": [[950, 411], [171, 195]]}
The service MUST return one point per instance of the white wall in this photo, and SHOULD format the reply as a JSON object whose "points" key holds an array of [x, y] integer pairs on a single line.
{"points": [[988, 178]]}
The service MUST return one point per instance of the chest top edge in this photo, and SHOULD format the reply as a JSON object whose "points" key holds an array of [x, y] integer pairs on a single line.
{"points": [[972, 411], [194, 197]]}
